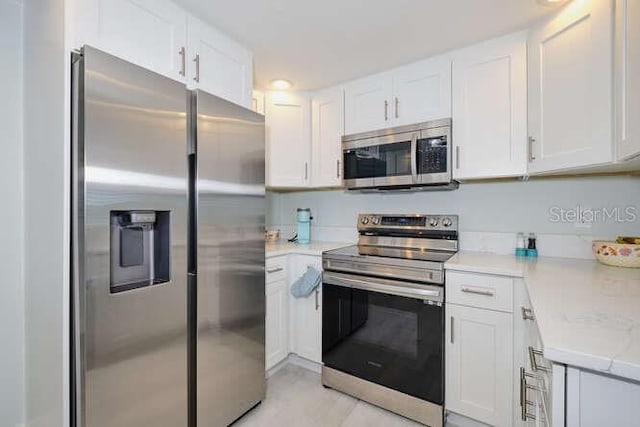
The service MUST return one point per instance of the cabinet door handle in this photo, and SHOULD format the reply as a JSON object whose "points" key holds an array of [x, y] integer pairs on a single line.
{"points": [[275, 270], [532, 154], [197, 61], [527, 314], [306, 171], [317, 302], [338, 168], [386, 110], [451, 334], [524, 400], [485, 292], [397, 107], [183, 60], [457, 157], [533, 354]]}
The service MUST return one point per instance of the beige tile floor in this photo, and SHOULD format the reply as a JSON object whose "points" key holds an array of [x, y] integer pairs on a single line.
{"points": [[295, 397]]}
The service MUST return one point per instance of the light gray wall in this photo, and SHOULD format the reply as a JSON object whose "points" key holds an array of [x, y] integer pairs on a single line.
{"points": [[46, 213], [505, 206], [11, 217]]}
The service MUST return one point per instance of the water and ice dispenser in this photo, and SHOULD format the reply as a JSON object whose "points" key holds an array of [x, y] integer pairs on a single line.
{"points": [[140, 249]]}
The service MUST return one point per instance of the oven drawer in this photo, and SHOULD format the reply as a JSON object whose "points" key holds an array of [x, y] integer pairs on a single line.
{"points": [[479, 290], [276, 269]]}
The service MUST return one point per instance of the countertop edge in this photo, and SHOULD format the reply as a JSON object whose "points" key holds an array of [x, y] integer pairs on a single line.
{"points": [[602, 364]]}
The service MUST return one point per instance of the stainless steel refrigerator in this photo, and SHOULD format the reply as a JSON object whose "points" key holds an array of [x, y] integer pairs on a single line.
{"points": [[167, 245]]}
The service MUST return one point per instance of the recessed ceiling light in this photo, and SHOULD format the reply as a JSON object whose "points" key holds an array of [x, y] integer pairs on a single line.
{"points": [[281, 84]]}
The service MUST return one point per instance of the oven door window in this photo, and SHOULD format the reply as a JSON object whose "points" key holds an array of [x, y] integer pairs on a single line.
{"points": [[390, 340], [377, 161]]}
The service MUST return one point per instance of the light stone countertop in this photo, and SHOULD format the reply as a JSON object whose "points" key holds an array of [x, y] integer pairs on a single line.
{"points": [[588, 314], [281, 247]]}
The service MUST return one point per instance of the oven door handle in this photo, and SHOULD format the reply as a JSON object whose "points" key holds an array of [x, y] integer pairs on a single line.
{"points": [[382, 286]]}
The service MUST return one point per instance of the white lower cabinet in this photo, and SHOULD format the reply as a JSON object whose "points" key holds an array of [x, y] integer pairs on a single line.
{"points": [[479, 354], [305, 333], [277, 322], [293, 325], [277, 311], [595, 400]]}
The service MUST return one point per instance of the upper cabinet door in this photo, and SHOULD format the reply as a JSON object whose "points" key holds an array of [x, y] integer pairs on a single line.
{"points": [[628, 78], [571, 88], [490, 108], [219, 65], [149, 33], [287, 120], [422, 91], [367, 104], [327, 128]]}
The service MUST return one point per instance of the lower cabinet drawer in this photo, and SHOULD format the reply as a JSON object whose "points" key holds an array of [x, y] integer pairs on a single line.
{"points": [[276, 269], [480, 290]]}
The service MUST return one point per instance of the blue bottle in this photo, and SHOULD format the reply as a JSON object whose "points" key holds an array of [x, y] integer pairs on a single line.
{"points": [[304, 225]]}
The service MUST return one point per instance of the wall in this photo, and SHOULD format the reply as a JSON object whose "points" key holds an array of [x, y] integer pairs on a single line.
{"points": [[11, 217], [46, 106], [497, 209]]}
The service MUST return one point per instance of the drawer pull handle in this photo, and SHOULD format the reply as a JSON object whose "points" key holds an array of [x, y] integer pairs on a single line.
{"points": [[275, 270], [527, 314], [487, 293], [533, 354]]}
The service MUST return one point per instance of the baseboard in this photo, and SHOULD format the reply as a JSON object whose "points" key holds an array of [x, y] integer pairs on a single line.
{"points": [[310, 365], [294, 359], [453, 419]]}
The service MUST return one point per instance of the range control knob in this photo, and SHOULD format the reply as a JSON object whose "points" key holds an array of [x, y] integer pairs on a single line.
{"points": [[364, 220], [375, 220], [433, 222], [446, 222]]}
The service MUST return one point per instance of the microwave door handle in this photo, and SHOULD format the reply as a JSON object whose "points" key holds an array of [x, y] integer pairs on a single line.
{"points": [[414, 158]]}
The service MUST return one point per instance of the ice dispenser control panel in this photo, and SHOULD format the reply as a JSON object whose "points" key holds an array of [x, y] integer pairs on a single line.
{"points": [[139, 249]]}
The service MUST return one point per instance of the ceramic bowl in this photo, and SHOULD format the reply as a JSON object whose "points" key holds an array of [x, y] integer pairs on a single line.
{"points": [[617, 254]]}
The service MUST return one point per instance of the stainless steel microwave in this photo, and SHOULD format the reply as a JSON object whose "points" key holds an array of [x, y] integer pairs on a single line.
{"points": [[402, 158]]}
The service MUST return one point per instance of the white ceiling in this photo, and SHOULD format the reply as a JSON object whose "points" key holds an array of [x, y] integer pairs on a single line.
{"points": [[319, 43]]}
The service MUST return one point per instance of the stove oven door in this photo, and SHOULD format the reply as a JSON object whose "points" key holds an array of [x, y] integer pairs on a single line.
{"points": [[385, 331]]}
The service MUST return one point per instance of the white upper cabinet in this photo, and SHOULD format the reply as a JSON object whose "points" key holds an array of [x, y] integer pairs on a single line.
{"points": [[287, 120], [490, 108], [219, 65], [367, 104], [159, 36], [422, 91], [257, 101], [571, 88], [149, 33], [327, 128], [414, 93], [628, 78]]}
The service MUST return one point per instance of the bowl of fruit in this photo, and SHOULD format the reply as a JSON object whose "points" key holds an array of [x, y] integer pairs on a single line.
{"points": [[624, 252]]}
